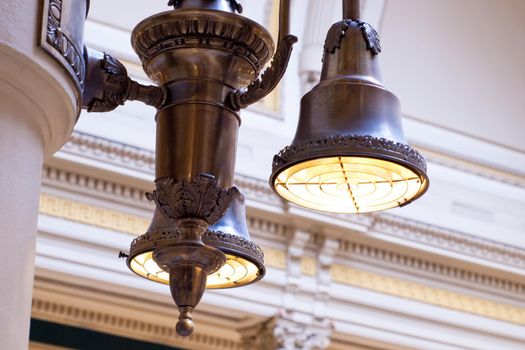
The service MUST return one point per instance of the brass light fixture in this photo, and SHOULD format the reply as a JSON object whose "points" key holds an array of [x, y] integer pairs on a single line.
{"points": [[349, 153]]}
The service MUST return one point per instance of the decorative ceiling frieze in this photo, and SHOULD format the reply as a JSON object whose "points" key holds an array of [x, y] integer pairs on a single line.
{"points": [[141, 160]]}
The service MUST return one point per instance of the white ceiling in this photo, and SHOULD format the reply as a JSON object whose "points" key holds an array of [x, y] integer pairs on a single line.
{"points": [[459, 64]]}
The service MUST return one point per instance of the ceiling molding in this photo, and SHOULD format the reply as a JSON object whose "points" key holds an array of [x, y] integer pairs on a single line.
{"points": [[65, 306], [268, 232], [259, 195]]}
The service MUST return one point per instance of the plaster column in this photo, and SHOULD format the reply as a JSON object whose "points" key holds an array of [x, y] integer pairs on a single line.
{"points": [[280, 333], [321, 15], [38, 109]]}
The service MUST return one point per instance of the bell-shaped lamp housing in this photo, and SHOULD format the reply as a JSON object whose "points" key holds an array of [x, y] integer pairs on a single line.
{"points": [[244, 259], [349, 154]]}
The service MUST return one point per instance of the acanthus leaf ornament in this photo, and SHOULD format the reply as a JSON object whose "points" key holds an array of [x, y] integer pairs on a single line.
{"points": [[335, 36], [200, 198], [371, 37], [337, 32]]}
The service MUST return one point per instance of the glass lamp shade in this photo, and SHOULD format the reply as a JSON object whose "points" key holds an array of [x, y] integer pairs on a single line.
{"points": [[244, 259], [236, 272], [349, 184]]}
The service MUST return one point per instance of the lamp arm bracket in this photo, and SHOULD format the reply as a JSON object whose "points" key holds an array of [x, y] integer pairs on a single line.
{"points": [[109, 86], [242, 98]]}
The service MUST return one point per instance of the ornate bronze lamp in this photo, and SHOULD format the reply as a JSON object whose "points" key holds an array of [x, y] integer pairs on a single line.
{"points": [[349, 154], [206, 60]]}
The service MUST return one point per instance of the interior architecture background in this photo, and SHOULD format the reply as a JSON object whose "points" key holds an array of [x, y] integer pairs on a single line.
{"points": [[446, 272]]}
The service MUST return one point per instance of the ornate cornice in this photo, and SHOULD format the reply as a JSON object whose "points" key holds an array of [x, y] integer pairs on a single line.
{"points": [[89, 185], [123, 222], [143, 160], [112, 152], [112, 322], [430, 295], [390, 259], [451, 240], [258, 191], [113, 220]]}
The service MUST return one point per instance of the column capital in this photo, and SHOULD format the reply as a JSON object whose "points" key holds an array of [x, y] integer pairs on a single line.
{"points": [[279, 333]]}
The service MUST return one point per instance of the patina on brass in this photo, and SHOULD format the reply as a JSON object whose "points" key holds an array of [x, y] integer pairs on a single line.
{"points": [[206, 60], [244, 259], [110, 86], [62, 37], [349, 153]]}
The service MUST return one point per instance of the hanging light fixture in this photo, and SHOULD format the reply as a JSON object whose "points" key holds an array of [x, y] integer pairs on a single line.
{"points": [[206, 60], [244, 259], [349, 154]]}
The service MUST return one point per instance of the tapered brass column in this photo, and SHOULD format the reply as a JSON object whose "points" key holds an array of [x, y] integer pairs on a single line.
{"points": [[199, 54]]}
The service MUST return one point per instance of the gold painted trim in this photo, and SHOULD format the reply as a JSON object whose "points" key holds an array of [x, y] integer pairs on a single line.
{"points": [[430, 295], [113, 323], [127, 223], [309, 266], [41, 346], [118, 221], [275, 258], [92, 215]]}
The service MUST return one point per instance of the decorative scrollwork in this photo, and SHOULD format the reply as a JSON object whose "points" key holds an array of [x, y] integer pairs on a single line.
{"points": [[338, 31], [200, 198], [209, 31], [151, 240], [118, 87], [223, 240], [261, 87], [347, 144], [62, 43]]}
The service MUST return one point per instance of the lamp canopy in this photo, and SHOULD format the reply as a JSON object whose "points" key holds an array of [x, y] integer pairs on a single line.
{"points": [[349, 154]]}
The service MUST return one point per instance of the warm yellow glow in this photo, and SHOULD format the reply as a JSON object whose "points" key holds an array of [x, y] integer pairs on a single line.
{"points": [[349, 184], [145, 266], [235, 272]]}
